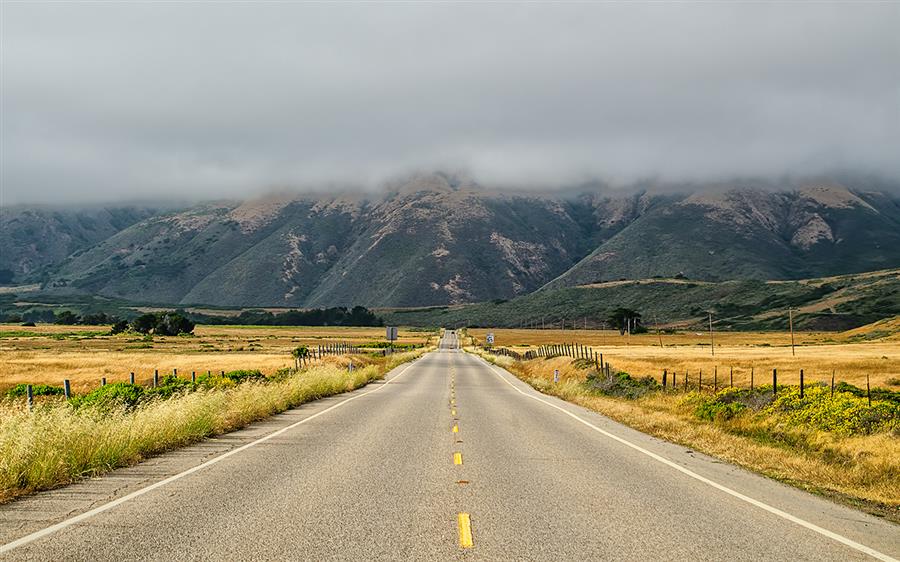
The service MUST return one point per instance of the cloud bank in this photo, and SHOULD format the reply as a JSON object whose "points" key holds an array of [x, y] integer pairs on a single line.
{"points": [[120, 101]]}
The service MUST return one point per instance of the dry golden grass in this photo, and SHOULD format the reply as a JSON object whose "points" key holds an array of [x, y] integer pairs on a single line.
{"points": [[863, 468], [72, 352], [56, 443], [641, 355]]}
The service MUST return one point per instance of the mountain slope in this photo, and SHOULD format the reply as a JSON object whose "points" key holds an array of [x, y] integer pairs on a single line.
{"points": [[751, 233], [34, 238], [830, 303], [436, 239]]}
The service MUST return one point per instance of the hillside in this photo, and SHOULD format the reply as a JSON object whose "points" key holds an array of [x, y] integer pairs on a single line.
{"points": [[819, 228], [832, 303], [438, 239], [35, 238]]}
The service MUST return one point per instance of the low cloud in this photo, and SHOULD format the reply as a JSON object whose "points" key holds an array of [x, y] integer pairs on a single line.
{"points": [[122, 101]]}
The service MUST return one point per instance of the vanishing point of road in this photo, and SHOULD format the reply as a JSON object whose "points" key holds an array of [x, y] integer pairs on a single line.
{"points": [[449, 458]]}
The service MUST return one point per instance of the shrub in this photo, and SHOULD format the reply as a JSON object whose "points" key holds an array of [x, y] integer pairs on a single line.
{"points": [[622, 385], [118, 328], [231, 378], [845, 413], [36, 390], [713, 410], [169, 386], [118, 395]]}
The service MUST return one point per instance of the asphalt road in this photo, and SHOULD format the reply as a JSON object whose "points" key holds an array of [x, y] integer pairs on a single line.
{"points": [[380, 474]]}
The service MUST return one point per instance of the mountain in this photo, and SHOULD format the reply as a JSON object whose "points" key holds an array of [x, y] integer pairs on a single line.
{"points": [[830, 303], [429, 239], [815, 228], [34, 238], [439, 239]]}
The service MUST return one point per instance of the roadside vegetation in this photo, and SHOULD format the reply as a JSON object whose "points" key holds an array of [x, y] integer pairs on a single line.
{"points": [[837, 445], [120, 424], [49, 353]]}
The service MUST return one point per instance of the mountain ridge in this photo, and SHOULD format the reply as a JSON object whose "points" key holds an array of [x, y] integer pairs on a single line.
{"points": [[438, 239]]}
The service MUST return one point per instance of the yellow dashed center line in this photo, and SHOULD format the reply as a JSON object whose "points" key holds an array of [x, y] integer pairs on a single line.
{"points": [[457, 458], [452, 412], [465, 530], [455, 429]]}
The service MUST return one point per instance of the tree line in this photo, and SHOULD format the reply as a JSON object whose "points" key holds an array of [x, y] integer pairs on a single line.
{"points": [[335, 316]]}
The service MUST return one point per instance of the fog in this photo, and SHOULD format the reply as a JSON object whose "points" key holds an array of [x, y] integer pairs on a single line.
{"points": [[131, 101]]}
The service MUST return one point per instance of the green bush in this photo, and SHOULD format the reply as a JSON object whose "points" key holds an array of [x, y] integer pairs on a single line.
{"points": [[21, 390], [845, 413], [622, 385], [169, 386], [231, 378], [117, 395], [713, 410]]}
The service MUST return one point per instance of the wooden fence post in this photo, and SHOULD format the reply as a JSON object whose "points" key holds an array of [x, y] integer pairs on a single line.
{"points": [[801, 383], [715, 379], [731, 376], [131, 379], [67, 389], [665, 374], [751, 377], [868, 390], [155, 378], [103, 381], [700, 382], [194, 377], [30, 397], [774, 382], [832, 383]]}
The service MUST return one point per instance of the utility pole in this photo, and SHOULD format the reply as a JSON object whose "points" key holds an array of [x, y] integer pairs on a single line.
{"points": [[712, 341], [791, 323]]}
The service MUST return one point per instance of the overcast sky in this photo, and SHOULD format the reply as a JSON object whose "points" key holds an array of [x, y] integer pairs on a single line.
{"points": [[110, 101]]}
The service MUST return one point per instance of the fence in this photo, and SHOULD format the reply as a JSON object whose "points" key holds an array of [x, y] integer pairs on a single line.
{"points": [[580, 352], [316, 353]]}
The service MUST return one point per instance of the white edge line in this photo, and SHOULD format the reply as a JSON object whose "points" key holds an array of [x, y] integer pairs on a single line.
{"points": [[774, 510], [137, 493]]}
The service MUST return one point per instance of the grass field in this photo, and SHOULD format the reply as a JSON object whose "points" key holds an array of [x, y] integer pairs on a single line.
{"points": [[862, 470], [47, 354], [850, 354], [59, 442]]}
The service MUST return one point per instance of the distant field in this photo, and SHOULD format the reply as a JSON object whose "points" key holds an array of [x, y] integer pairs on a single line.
{"points": [[817, 353], [47, 354]]}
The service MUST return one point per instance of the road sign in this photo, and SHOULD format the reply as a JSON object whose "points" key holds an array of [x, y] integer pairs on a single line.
{"points": [[391, 333], [490, 338]]}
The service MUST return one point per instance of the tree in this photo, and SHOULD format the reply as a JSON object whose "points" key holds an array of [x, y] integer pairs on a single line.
{"points": [[144, 324], [623, 318], [67, 317], [172, 324]]}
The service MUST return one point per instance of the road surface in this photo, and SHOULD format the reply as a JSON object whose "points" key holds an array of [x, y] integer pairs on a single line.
{"points": [[449, 459]]}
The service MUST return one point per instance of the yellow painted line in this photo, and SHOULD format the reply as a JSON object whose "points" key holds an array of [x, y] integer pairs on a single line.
{"points": [[464, 522], [452, 412], [457, 458], [455, 429]]}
